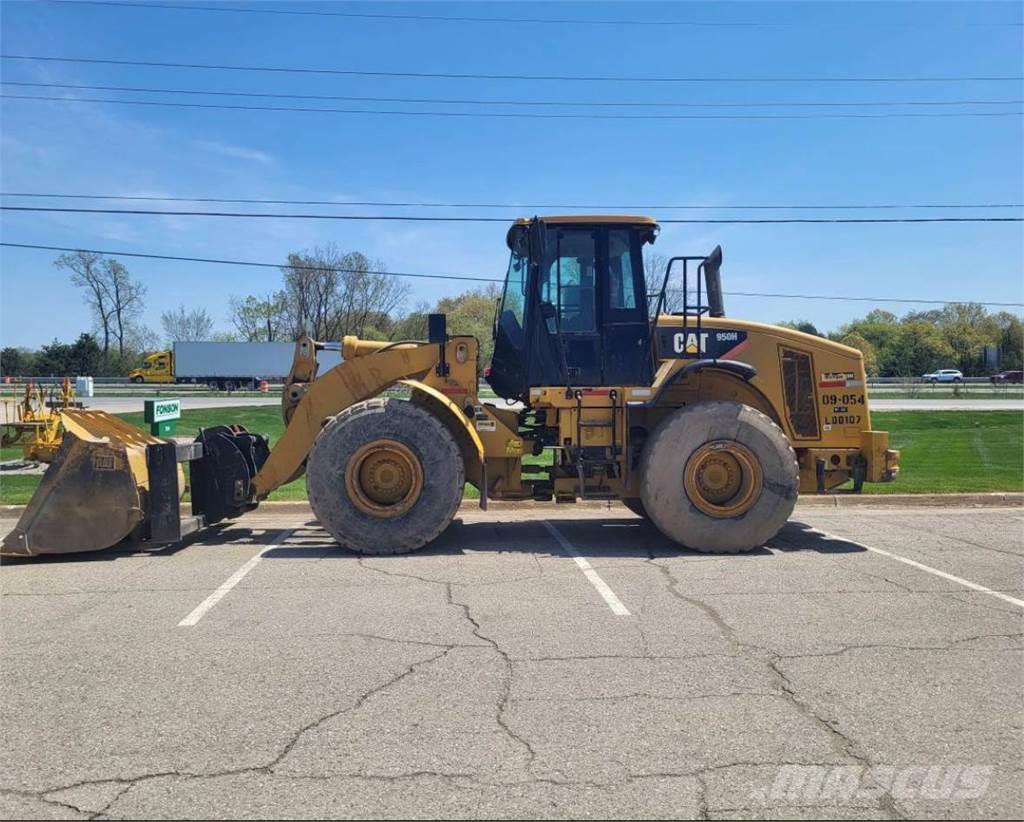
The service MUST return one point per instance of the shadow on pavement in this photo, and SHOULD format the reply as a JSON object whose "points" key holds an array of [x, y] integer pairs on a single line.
{"points": [[601, 538], [628, 537], [213, 535]]}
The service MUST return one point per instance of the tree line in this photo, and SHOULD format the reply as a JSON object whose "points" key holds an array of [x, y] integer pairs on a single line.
{"points": [[954, 336], [328, 293]]}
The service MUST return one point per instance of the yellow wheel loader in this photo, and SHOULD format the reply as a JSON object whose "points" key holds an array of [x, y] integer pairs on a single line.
{"points": [[36, 421], [708, 425]]}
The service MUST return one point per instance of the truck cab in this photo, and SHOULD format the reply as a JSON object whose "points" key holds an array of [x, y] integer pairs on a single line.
{"points": [[156, 368]]}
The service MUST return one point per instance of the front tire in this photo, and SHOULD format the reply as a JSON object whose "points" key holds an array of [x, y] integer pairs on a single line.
{"points": [[635, 505], [719, 477], [385, 477], [137, 380]]}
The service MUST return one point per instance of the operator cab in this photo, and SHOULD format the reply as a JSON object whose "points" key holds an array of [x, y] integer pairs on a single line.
{"points": [[574, 309]]}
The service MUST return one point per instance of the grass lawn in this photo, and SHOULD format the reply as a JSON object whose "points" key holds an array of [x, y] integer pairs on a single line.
{"points": [[953, 451], [942, 451]]}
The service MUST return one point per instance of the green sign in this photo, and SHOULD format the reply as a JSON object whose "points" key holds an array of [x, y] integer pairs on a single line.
{"points": [[160, 410], [162, 416]]}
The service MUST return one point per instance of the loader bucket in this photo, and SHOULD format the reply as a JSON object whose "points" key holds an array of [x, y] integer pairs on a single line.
{"points": [[93, 494]]}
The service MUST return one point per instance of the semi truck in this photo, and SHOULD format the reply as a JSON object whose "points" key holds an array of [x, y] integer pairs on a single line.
{"points": [[222, 365]]}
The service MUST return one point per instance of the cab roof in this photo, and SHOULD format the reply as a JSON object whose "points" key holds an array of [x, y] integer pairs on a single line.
{"points": [[584, 219]]}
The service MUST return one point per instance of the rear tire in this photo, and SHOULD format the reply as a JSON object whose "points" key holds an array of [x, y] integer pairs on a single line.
{"points": [[719, 477], [385, 477], [137, 380]]}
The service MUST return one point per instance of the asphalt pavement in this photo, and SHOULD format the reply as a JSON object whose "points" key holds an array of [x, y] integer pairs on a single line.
{"points": [[548, 662]]}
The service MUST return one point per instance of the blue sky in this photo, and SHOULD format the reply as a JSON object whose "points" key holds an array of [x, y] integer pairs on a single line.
{"points": [[129, 150]]}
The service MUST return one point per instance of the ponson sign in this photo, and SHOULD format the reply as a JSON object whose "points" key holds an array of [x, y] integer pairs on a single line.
{"points": [[162, 410]]}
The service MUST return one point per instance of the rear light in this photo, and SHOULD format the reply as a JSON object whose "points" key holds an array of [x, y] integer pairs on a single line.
{"points": [[487, 372]]}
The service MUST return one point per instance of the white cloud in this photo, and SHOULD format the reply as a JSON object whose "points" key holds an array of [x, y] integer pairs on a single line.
{"points": [[237, 152]]}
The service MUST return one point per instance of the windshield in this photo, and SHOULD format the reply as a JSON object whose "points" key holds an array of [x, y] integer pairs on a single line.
{"points": [[513, 300]]}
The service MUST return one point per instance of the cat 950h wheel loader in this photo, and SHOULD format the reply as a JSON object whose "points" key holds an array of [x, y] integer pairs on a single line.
{"points": [[708, 425]]}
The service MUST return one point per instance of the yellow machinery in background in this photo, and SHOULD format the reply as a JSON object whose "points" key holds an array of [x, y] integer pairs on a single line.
{"points": [[35, 420], [707, 425]]}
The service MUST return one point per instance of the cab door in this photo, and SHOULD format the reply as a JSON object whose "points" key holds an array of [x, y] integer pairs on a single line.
{"points": [[570, 284], [626, 357]]}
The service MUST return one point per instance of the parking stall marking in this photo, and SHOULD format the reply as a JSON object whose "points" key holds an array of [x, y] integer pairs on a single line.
{"points": [[201, 609], [595, 579], [958, 580]]}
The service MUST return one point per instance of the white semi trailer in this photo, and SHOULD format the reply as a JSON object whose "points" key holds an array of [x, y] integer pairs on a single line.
{"points": [[224, 365]]}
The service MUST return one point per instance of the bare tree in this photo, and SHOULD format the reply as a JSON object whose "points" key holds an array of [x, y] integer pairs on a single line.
{"points": [[654, 276], [367, 296], [139, 338], [114, 298], [186, 326], [330, 293], [125, 298], [88, 272], [311, 285], [260, 319]]}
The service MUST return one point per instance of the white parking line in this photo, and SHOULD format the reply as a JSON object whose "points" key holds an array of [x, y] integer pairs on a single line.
{"points": [[958, 580], [204, 606], [595, 579]]}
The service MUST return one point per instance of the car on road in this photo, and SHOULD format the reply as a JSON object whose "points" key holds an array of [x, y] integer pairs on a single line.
{"points": [[1007, 376], [944, 375]]}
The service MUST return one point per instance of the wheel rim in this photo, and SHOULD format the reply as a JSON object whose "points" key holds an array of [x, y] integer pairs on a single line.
{"points": [[723, 478], [384, 478]]}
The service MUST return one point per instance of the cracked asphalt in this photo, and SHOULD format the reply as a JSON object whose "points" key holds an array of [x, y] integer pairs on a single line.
{"points": [[487, 677]]}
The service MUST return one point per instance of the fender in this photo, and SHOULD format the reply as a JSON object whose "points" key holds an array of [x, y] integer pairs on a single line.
{"points": [[737, 369], [456, 422]]}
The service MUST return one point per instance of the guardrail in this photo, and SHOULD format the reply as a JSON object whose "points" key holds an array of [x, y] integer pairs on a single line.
{"points": [[920, 381]]}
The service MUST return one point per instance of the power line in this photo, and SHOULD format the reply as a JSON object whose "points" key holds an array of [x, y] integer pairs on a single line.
{"points": [[526, 206], [479, 102], [534, 77], [538, 20], [249, 263], [217, 261], [435, 219], [518, 114]]}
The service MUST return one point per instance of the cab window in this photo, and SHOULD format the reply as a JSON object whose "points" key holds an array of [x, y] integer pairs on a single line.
{"points": [[625, 269], [570, 281], [513, 300]]}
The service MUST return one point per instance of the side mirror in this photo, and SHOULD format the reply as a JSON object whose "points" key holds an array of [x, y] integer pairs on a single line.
{"points": [[550, 315]]}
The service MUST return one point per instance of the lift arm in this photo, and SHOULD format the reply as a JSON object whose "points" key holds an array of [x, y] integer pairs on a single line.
{"points": [[344, 385]]}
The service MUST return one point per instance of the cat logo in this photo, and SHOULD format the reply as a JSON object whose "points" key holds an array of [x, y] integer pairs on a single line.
{"points": [[687, 343], [684, 343]]}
